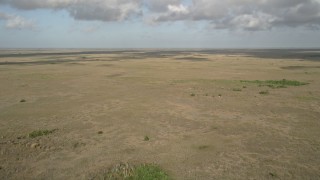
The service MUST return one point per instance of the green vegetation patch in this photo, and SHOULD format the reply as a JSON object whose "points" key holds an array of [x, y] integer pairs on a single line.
{"points": [[38, 133], [140, 172], [149, 172], [277, 83]]}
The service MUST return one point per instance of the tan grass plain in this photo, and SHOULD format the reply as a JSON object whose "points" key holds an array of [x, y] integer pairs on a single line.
{"points": [[184, 101]]}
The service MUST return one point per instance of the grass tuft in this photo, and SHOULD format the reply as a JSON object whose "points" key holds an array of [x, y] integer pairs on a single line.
{"points": [[273, 174], [140, 172], [236, 89], [146, 138], [23, 100], [38, 133], [203, 147], [264, 92], [149, 172]]}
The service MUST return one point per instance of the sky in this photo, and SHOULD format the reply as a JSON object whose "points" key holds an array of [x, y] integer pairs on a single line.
{"points": [[160, 24]]}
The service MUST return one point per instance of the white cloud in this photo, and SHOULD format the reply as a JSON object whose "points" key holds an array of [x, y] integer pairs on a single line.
{"points": [[246, 14], [181, 9], [226, 14], [160, 5], [251, 22], [16, 22]]}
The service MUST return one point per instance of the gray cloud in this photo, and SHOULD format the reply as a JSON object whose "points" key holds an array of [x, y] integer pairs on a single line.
{"points": [[16, 22], [227, 14], [104, 10], [160, 5], [248, 14], [101, 10], [37, 4]]}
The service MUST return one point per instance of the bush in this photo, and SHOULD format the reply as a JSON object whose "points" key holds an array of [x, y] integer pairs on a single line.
{"points": [[37, 133]]}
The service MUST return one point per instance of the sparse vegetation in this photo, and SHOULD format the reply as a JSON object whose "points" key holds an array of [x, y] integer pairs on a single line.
{"points": [[140, 172], [273, 174], [120, 171], [276, 86], [236, 89], [23, 100], [38, 133], [78, 144], [264, 92], [203, 147], [214, 128], [276, 83], [21, 137], [131, 110], [75, 145], [149, 172]]}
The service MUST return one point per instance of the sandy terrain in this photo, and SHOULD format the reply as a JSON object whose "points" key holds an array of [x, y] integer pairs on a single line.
{"points": [[202, 121]]}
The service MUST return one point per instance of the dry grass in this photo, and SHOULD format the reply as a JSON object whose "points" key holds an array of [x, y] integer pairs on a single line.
{"points": [[197, 125]]}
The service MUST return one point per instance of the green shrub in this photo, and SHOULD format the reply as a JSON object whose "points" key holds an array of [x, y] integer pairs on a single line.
{"points": [[37, 133]]}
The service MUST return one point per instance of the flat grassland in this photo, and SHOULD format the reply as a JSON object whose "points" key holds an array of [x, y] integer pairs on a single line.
{"points": [[197, 114]]}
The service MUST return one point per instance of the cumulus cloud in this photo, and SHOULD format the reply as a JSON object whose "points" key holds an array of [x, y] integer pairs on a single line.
{"points": [[104, 11], [248, 14], [220, 14], [16, 22], [160, 5], [37, 4], [250, 22], [101, 10], [173, 13]]}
